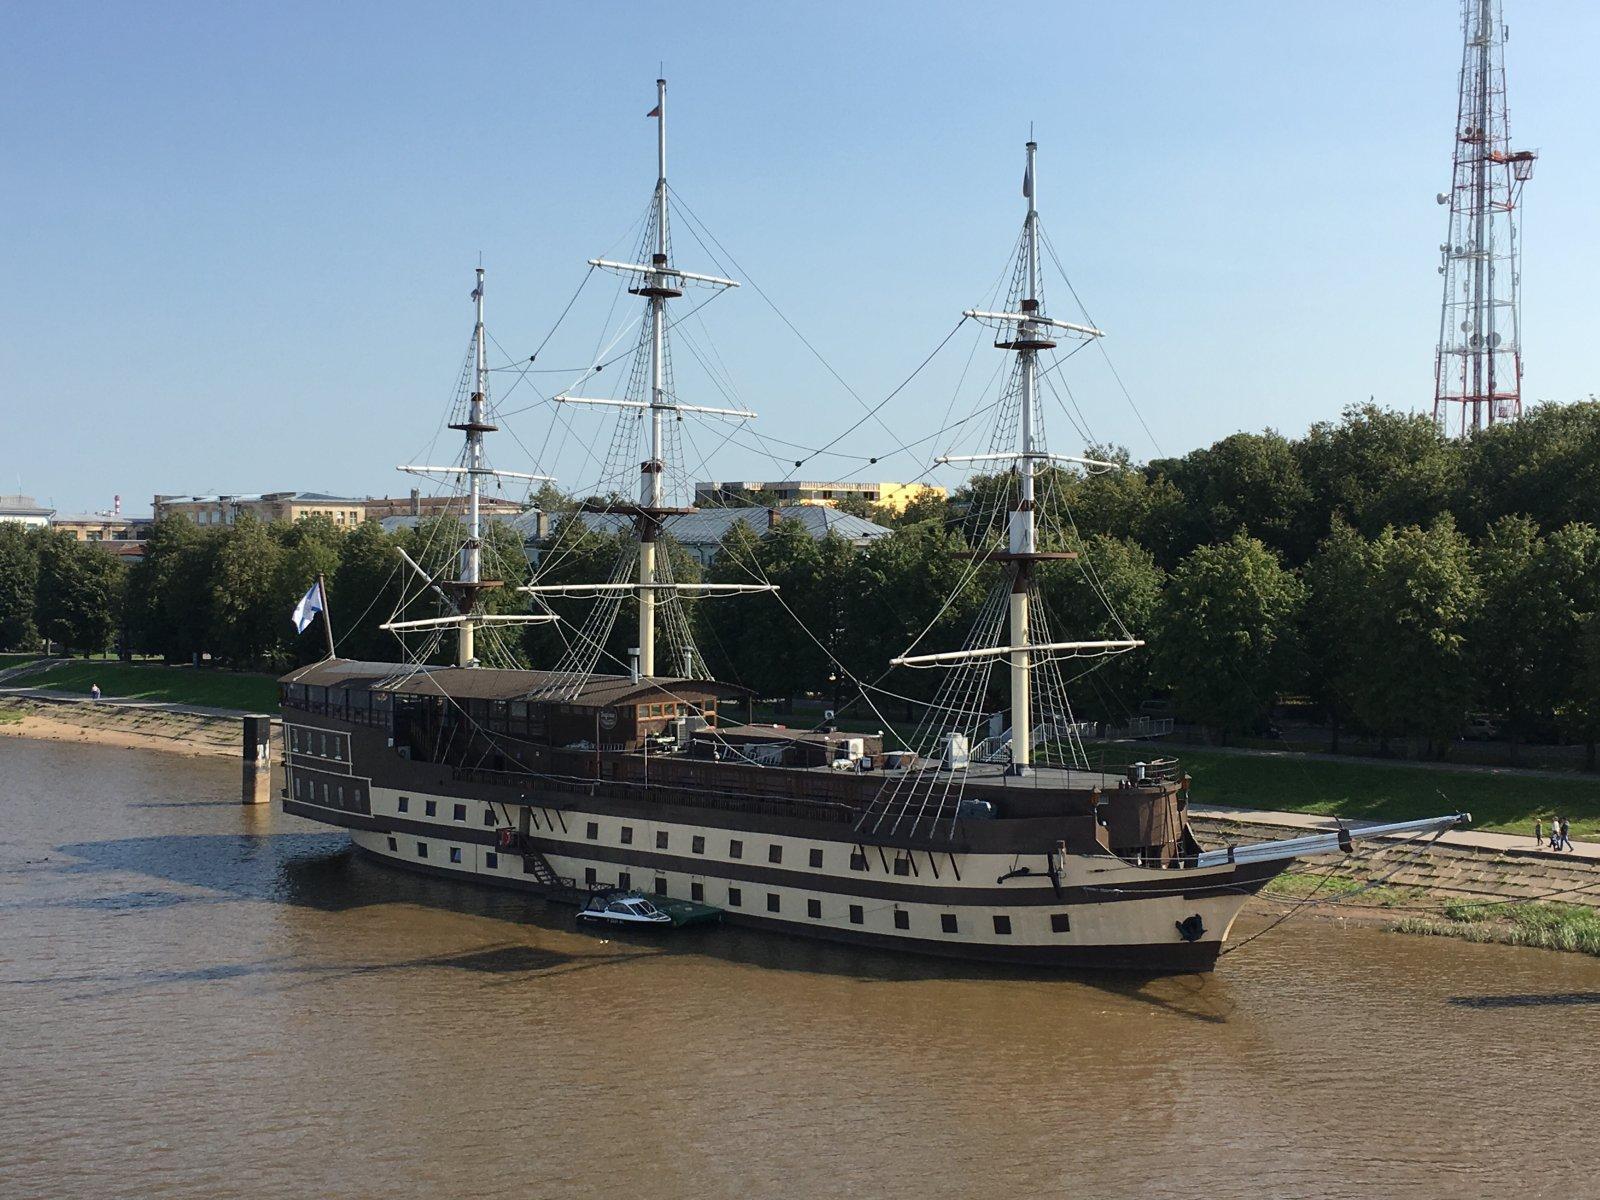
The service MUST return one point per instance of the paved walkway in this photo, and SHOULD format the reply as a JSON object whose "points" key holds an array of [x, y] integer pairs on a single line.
{"points": [[54, 697], [1499, 843]]}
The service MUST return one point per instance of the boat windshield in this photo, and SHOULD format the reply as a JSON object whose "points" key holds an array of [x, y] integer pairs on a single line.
{"points": [[645, 907]]}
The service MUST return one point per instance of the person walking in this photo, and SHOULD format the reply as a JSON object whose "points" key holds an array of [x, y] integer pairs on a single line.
{"points": [[94, 691], [1566, 833], [1538, 831]]}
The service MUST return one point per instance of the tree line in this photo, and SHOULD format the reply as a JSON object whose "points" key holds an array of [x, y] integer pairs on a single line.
{"points": [[1397, 579]]}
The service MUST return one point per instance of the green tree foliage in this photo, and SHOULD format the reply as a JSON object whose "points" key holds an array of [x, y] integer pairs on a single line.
{"points": [[1412, 668], [1336, 580], [1113, 590], [247, 613], [1377, 468], [78, 593], [19, 580], [1249, 482], [1228, 634]]}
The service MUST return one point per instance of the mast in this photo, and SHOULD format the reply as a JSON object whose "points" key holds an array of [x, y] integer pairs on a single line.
{"points": [[472, 549], [1023, 530], [650, 492]]}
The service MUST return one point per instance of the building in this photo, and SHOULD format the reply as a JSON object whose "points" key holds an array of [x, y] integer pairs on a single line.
{"points": [[24, 510], [892, 496], [264, 506], [701, 533], [109, 527], [417, 505]]}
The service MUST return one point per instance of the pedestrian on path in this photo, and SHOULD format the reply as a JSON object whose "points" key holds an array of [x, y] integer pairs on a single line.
{"points": [[94, 691], [1566, 833], [1538, 831]]}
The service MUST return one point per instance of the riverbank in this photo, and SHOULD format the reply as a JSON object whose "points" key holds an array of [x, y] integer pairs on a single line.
{"points": [[129, 727], [242, 691], [1549, 926]]}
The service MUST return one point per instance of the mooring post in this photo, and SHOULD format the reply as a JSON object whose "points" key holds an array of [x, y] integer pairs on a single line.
{"points": [[257, 760]]}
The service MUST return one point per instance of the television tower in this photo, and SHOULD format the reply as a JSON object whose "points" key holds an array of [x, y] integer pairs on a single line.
{"points": [[1478, 366]]}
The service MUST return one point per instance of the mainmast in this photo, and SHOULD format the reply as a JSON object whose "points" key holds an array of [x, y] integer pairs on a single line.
{"points": [[657, 288], [657, 281]]}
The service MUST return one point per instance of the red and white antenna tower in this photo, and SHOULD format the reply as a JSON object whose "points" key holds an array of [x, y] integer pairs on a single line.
{"points": [[1478, 366]]}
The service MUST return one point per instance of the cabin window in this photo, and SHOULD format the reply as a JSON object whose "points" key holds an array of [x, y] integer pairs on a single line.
{"points": [[902, 919], [340, 791], [661, 886], [814, 909], [902, 866], [697, 844], [735, 849], [735, 897], [624, 880], [947, 922], [775, 854], [661, 839], [491, 860], [772, 902], [1002, 924], [593, 832], [324, 793], [422, 849], [460, 813], [697, 892], [627, 835], [404, 803], [1060, 923], [858, 860], [856, 915], [588, 876], [816, 858], [393, 845], [488, 816], [455, 854], [430, 808]]}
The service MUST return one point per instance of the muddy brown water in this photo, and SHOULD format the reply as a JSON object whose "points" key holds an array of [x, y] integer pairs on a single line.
{"points": [[199, 999]]}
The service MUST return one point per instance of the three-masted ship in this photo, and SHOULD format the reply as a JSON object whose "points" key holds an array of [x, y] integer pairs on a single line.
{"points": [[990, 838]]}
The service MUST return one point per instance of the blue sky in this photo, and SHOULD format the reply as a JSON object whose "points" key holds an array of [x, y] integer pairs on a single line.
{"points": [[238, 240]]}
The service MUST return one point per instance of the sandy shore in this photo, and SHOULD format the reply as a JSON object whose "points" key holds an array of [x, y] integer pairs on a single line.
{"points": [[127, 728]]}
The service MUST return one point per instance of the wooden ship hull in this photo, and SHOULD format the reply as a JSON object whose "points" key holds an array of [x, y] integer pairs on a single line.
{"points": [[1072, 870]]}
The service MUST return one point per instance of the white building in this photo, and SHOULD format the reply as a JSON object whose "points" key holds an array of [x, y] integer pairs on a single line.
{"points": [[25, 510]]}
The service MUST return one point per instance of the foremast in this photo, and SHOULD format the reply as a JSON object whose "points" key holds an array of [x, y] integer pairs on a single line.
{"points": [[1025, 332]]}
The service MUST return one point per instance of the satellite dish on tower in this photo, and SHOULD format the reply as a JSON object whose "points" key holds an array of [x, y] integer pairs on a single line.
{"points": [[1442, 198], [1494, 340]]}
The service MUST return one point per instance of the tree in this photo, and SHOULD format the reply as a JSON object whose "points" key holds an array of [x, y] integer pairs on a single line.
{"points": [[1573, 558], [78, 593], [19, 581], [1228, 634], [309, 547], [1112, 591], [247, 619], [1545, 466], [1246, 483], [1337, 579], [1378, 468], [1412, 671], [1517, 628], [364, 591]]}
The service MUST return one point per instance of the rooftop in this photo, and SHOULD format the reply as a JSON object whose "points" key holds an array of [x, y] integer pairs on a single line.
{"points": [[711, 525], [487, 683], [14, 504]]}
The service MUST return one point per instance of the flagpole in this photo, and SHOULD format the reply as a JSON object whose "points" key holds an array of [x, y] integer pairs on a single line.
{"points": [[327, 619]]}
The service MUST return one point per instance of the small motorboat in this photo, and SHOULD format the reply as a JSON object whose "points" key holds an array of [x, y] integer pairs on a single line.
{"points": [[622, 908]]}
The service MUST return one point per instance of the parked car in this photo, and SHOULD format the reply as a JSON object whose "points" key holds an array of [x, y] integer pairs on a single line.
{"points": [[622, 908], [1156, 708], [1479, 728]]}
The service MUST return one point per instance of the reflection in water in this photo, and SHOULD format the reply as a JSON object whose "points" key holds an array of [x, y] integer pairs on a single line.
{"points": [[200, 998]]}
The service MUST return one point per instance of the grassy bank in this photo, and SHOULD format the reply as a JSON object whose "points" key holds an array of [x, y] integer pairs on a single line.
{"points": [[173, 685], [1369, 791], [1301, 885], [1571, 927]]}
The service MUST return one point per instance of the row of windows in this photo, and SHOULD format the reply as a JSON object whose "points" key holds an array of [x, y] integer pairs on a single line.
{"points": [[430, 808], [319, 743], [948, 922], [490, 860], [332, 796], [697, 845]]}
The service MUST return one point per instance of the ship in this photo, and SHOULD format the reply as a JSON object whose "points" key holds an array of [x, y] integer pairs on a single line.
{"points": [[985, 836]]}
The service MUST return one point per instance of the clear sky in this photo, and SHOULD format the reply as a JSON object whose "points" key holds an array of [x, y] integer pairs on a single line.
{"points": [[238, 239]]}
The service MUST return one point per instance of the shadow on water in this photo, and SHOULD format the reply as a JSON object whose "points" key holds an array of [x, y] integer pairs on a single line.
{"points": [[321, 871], [1528, 1000]]}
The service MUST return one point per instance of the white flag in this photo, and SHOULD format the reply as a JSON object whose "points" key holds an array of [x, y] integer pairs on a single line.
{"points": [[310, 605]]}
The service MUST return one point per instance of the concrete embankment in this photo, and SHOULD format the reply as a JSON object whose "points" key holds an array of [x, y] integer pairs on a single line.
{"points": [[134, 725], [1458, 865]]}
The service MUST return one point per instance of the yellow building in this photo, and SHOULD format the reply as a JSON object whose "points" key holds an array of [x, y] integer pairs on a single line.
{"points": [[892, 496], [102, 527], [264, 506]]}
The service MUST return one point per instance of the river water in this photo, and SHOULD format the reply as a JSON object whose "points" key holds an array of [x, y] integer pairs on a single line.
{"points": [[201, 999]]}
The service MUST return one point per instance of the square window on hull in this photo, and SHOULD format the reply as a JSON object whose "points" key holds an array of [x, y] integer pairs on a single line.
{"points": [[947, 922], [902, 919], [857, 916], [1002, 924]]}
